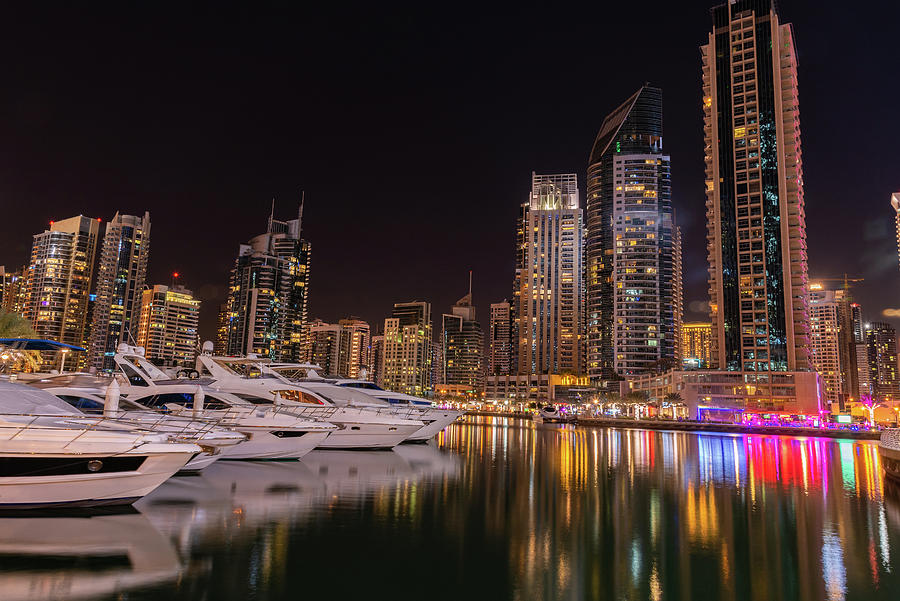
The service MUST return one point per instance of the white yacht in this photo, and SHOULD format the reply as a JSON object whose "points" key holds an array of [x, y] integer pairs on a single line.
{"points": [[434, 418], [373, 426], [83, 392], [52, 455]]}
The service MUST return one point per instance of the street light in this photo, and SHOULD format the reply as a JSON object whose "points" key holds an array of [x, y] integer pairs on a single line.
{"points": [[62, 364]]}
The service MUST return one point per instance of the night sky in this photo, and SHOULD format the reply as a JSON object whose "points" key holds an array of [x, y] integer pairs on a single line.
{"points": [[413, 130]]}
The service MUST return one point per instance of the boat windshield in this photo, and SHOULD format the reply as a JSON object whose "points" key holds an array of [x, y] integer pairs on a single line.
{"points": [[363, 385], [244, 369]]}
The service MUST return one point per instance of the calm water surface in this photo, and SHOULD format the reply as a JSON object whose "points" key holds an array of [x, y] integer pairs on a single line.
{"points": [[492, 509]]}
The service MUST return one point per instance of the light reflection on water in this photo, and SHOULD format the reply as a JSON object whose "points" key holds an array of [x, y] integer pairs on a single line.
{"points": [[497, 509]]}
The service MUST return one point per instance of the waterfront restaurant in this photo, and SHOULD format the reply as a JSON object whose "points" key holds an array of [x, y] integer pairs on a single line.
{"points": [[735, 396], [519, 392]]}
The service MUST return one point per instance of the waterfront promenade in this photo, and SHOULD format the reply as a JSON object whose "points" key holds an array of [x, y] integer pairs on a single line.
{"points": [[693, 426]]}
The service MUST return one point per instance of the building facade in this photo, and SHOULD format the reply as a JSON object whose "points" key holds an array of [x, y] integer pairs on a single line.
{"points": [[825, 329], [462, 350], [325, 345], [167, 328], [548, 283], [268, 295], [58, 282], [756, 237], [895, 203], [695, 345], [879, 373], [13, 290], [633, 254], [121, 274], [376, 360], [502, 339], [407, 360], [342, 348]]}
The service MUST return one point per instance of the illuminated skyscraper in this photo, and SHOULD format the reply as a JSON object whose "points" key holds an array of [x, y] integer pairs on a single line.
{"points": [[268, 294], [633, 248], [342, 348], [324, 345], [58, 281], [695, 345], [168, 325], [879, 374], [13, 290], [824, 313], [756, 237], [462, 349], [895, 202], [407, 361], [548, 283], [500, 360], [376, 360], [120, 282]]}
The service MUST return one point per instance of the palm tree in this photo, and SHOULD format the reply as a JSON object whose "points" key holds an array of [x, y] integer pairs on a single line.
{"points": [[13, 325]]}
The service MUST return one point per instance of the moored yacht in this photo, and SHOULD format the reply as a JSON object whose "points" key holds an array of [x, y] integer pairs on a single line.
{"points": [[50, 455], [434, 418], [374, 426]]}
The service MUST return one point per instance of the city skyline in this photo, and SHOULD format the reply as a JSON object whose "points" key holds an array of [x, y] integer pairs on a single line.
{"points": [[177, 194]]}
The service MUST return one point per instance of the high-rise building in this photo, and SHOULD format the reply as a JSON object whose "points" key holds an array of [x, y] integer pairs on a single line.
{"points": [[168, 325], [895, 202], [633, 254], [850, 336], [462, 350], [880, 378], [376, 360], [548, 288], [221, 344], [756, 237], [121, 274], [58, 281], [500, 359], [341, 348], [13, 290], [325, 345], [825, 330], [268, 295], [355, 345], [695, 345], [407, 360]]}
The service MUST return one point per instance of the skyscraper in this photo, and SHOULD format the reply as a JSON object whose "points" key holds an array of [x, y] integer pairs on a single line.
{"points": [[500, 359], [895, 202], [324, 345], [168, 325], [13, 290], [881, 362], [58, 281], [825, 330], [376, 360], [756, 219], [633, 248], [407, 360], [695, 341], [548, 283], [120, 282], [850, 336], [268, 294], [462, 344], [354, 350]]}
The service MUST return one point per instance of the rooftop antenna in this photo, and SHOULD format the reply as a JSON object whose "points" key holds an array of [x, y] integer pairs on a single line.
{"points": [[300, 213], [271, 215], [470, 285]]}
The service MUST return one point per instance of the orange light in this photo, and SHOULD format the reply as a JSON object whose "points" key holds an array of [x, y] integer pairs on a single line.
{"points": [[51, 223], [175, 275]]}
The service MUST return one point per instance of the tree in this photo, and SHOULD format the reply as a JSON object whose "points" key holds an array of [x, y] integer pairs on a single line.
{"points": [[870, 404], [673, 398], [13, 325]]}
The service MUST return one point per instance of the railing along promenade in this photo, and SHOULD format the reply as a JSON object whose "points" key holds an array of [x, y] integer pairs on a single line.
{"points": [[696, 426]]}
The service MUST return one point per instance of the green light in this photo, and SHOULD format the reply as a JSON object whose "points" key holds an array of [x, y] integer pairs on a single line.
{"points": [[618, 147]]}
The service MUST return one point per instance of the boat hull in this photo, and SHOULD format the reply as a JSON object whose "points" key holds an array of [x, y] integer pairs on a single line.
{"points": [[266, 445], [430, 430], [91, 489], [367, 435]]}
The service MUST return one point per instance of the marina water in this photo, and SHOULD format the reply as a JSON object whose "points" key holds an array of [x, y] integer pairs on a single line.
{"points": [[493, 508]]}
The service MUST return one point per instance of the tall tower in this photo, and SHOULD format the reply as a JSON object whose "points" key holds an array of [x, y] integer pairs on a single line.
{"points": [[354, 348], [58, 280], [881, 362], [168, 325], [269, 294], [462, 348], [500, 361], [756, 237], [633, 248], [548, 284], [895, 202], [407, 360], [825, 336], [120, 283]]}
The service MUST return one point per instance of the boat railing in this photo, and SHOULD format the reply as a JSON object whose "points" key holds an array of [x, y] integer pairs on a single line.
{"points": [[80, 425], [314, 412]]}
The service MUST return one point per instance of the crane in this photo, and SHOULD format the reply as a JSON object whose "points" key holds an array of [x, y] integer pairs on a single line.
{"points": [[843, 278]]}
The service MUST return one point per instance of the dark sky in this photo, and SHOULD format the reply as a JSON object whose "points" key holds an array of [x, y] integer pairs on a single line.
{"points": [[413, 130]]}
